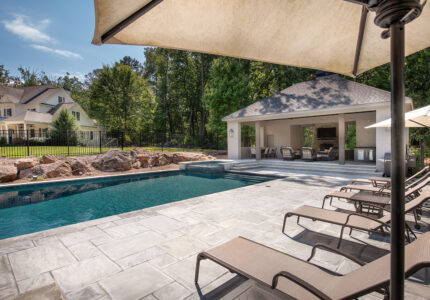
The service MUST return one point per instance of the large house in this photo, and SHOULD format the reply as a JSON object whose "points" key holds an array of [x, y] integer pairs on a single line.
{"points": [[33, 109], [326, 105]]}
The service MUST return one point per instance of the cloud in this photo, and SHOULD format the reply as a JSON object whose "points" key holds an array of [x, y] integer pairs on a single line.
{"points": [[64, 53], [23, 28]]}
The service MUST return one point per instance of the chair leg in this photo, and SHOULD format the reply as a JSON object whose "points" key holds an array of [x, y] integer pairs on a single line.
{"points": [[340, 237], [285, 221], [325, 198], [199, 258]]}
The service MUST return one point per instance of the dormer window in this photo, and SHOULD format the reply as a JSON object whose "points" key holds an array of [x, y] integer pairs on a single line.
{"points": [[31, 109], [77, 115], [61, 99], [7, 112]]}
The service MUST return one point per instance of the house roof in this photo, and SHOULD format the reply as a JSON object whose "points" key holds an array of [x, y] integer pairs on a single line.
{"points": [[26, 94], [30, 116], [327, 92]]}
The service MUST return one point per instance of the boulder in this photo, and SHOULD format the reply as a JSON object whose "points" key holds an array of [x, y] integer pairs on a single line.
{"points": [[30, 173], [153, 161], [177, 158], [48, 159], [113, 160], [25, 163], [136, 165], [8, 173], [140, 155], [163, 160], [57, 169], [79, 167]]}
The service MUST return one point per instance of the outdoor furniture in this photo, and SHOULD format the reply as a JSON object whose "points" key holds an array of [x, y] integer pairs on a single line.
{"points": [[308, 154], [385, 181], [287, 153], [304, 280], [355, 220], [331, 153], [270, 152], [411, 189], [253, 152]]}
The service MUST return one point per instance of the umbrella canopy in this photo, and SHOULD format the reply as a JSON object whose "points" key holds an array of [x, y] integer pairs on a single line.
{"points": [[332, 35], [415, 118]]}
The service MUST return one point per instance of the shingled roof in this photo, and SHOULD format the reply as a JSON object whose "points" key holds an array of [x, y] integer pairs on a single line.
{"points": [[25, 94], [322, 93]]}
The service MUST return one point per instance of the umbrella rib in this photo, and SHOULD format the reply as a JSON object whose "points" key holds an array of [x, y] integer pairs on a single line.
{"points": [[130, 19], [418, 123], [363, 19]]}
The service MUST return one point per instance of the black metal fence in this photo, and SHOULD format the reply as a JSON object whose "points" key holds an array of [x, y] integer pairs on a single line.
{"points": [[22, 143]]}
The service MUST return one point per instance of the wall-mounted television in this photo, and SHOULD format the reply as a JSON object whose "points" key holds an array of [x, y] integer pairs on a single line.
{"points": [[326, 133]]}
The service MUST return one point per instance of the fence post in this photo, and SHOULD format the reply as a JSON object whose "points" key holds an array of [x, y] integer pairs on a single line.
{"points": [[28, 144], [122, 141], [67, 139], [100, 141]]}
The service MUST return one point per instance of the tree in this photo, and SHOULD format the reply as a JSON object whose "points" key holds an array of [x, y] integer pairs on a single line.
{"points": [[228, 90], [121, 99], [4, 75], [64, 129]]}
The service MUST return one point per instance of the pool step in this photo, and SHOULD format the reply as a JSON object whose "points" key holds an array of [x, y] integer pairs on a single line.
{"points": [[366, 170]]}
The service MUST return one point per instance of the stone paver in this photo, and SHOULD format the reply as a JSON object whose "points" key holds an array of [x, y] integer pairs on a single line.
{"points": [[135, 283], [151, 253], [34, 261], [81, 274]]}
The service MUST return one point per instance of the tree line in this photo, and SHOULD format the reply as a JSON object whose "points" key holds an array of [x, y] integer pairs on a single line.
{"points": [[181, 92]]}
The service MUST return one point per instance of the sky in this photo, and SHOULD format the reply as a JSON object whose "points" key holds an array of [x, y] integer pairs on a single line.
{"points": [[54, 36]]}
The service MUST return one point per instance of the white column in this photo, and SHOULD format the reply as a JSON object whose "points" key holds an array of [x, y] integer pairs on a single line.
{"points": [[25, 130], [257, 141], [262, 136], [7, 134], [341, 129], [234, 148], [383, 138]]}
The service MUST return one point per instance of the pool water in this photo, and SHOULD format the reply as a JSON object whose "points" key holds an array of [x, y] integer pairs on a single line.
{"points": [[33, 208]]}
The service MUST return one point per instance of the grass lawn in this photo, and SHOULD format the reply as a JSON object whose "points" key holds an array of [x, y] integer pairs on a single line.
{"points": [[14, 151]]}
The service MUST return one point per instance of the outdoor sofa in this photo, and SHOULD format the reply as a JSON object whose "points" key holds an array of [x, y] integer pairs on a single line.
{"points": [[303, 280], [354, 220]]}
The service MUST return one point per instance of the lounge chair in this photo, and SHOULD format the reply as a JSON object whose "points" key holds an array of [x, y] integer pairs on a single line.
{"points": [[287, 153], [411, 188], [355, 220], [303, 280], [308, 154], [375, 202], [385, 181]]}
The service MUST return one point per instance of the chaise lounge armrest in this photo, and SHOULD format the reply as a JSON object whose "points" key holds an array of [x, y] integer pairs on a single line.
{"points": [[304, 284], [332, 249]]}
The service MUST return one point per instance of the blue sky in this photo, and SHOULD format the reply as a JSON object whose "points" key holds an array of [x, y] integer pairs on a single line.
{"points": [[54, 36]]}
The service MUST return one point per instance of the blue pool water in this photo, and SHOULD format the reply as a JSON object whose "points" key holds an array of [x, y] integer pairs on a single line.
{"points": [[28, 209]]}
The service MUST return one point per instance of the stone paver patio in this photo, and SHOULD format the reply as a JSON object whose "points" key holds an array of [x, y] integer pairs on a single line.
{"points": [[151, 253]]}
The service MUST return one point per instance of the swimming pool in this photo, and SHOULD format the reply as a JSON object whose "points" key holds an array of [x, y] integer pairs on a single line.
{"points": [[31, 208]]}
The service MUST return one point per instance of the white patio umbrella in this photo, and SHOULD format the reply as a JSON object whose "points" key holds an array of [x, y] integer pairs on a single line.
{"points": [[332, 35], [416, 118]]}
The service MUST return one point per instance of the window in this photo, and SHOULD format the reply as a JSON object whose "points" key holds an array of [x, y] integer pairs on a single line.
{"points": [[32, 133], [61, 99], [7, 112], [40, 132], [77, 115], [31, 109], [91, 135]]}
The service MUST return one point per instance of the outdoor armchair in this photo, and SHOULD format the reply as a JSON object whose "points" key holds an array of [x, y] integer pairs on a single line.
{"points": [[308, 154], [287, 153], [303, 280]]}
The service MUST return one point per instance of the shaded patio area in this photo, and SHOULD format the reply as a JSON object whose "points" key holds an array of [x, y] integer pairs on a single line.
{"points": [[151, 253]]}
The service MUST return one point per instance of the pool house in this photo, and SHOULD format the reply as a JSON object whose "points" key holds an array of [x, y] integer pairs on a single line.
{"points": [[328, 114]]}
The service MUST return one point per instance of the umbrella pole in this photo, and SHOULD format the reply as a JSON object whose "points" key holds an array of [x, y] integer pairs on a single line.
{"points": [[398, 155]]}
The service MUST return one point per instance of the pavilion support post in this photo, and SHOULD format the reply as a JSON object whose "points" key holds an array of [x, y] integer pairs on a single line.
{"points": [[397, 48], [257, 140], [7, 134], [341, 130]]}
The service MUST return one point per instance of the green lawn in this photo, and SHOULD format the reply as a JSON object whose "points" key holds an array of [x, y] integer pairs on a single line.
{"points": [[14, 151]]}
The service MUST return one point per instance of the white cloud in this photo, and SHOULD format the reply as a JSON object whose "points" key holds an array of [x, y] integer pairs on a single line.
{"points": [[23, 28], [64, 53]]}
